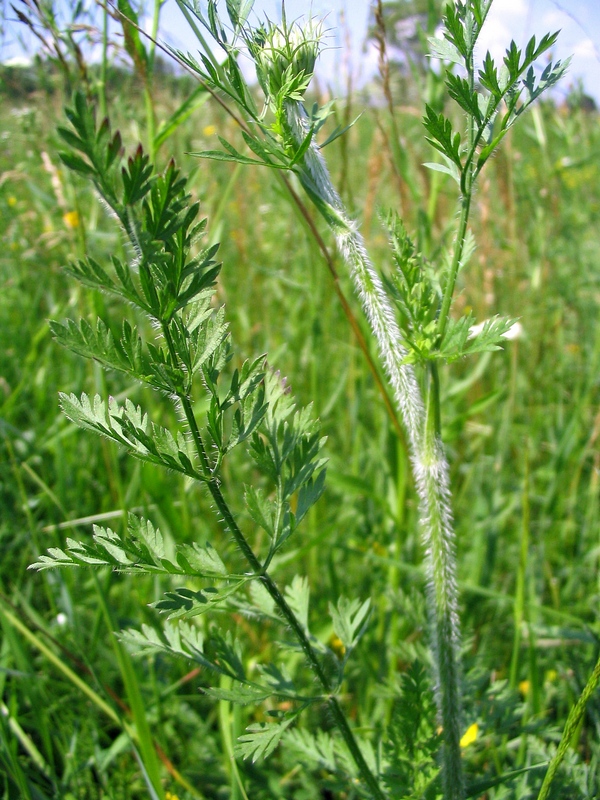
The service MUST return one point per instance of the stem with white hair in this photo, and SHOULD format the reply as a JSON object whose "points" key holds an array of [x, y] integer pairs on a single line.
{"points": [[429, 464]]}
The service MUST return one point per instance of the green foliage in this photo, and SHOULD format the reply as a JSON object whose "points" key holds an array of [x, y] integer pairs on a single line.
{"points": [[461, 338], [174, 288], [54, 482], [442, 137], [142, 550], [514, 86], [261, 739], [350, 619], [415, 741], [415, 289]]}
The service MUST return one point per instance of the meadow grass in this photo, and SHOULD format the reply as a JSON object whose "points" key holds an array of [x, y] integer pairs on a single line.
{"points": [[521, 428]]}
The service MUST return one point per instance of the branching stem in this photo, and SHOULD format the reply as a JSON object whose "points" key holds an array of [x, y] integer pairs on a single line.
{"points": [[272, 588]]}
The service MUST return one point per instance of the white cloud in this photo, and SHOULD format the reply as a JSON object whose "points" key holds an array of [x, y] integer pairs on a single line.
{"points": [[585, 49], [505, 17], [555, 20]]}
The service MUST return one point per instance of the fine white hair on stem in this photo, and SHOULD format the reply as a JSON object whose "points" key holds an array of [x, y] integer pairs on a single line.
{"points": [[429, 464]]}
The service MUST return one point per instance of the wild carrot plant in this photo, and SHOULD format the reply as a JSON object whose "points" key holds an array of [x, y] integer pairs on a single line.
{"points": [[411, 322], [173, 285], [171, 281]]}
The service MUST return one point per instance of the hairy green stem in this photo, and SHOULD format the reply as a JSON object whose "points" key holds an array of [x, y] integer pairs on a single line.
{"points": [[272, 588], [422, 424], [455, 265]]}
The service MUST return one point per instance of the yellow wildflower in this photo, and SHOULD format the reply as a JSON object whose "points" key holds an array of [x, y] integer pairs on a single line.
{"points": [[524, 688], [12, 201], [170, 796], [210, 130], [71, 219], [337, 646], [470, 735]]}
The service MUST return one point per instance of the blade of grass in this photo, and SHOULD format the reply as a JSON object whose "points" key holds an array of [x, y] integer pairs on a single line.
{"points": [[573, 720], [26, 742], [134, 696], [519, 607]]}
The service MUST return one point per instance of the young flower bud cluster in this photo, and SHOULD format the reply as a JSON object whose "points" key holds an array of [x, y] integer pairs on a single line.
{"points": [[285, 57]]}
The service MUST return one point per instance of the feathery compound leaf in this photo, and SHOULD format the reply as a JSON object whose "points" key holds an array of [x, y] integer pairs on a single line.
{"points": [[410, 754], [90, 273], [179, 639], [260, 509], [261, 739], [350, 620], [488, 77], [277, 685], [202, 561], [136, 176], [308, 495], [468, 100], [444, 50], [240, 695], [441, 135], [454, 30], [463, 338], [229, 153], [141, 551], [129, 426], [125, 355], [413, 289], [287, 451], [318, 750], [448, 168], [184, 603]]}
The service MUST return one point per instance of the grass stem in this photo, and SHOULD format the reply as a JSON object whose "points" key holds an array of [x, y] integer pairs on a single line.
{"points": [[573, 720]]}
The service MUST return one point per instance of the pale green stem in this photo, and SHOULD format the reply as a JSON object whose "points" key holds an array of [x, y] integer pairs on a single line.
{"points": [[455, 266], [429, 464], [150, 120], [466, 185], [26, 742], [103, 63], [519, 608], [571, 726], [148, 83], [154, 32]]}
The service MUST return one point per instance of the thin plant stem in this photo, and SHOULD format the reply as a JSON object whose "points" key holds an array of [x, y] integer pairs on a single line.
{"points": [[455, 265], [103, 63], [573, 720], [150, 119], [154, 33], [519, 608], [272, 588]]}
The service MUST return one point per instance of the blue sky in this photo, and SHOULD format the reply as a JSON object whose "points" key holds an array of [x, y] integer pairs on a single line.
{"points": [[579, 21]]}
